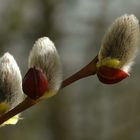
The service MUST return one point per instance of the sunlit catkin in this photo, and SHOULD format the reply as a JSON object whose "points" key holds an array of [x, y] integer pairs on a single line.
{"points": [[10, 86], [119, 45], [121, 40], [44, 62]]}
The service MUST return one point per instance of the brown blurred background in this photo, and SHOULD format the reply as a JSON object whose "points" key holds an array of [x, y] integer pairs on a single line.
{"points": [[87, 109]]}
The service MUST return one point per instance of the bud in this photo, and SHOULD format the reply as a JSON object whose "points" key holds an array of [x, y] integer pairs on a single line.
{"points": [[118, 50], [35, 83], [10, 86], [46, 70]]}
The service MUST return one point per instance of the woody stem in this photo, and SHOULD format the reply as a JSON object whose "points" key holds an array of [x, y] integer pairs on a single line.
{"points": [[27, 103], [88, 70]]}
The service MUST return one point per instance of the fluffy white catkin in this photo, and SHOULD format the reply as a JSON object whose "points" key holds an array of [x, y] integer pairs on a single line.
{"points": [[10, 86], [10, 81], [121, 40], [44, 56]]}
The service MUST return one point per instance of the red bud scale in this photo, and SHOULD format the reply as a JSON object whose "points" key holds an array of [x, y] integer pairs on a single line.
{"points": [[35, 83], [111, 75]]}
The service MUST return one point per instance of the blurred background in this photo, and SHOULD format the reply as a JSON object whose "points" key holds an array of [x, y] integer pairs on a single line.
{"points": [[87, 109]]}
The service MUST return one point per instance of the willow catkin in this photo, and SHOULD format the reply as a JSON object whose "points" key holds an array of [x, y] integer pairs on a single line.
{"points": [[44, 56], [10, 81], [121, 40], [10, 86]]}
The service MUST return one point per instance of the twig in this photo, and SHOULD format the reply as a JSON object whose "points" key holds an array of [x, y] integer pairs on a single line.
{"points": [[27, 103], [88, 70]]}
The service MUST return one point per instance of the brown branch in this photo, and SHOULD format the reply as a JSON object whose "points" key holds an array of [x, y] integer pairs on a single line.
{"points": [[88, 70], [27, 103]]}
